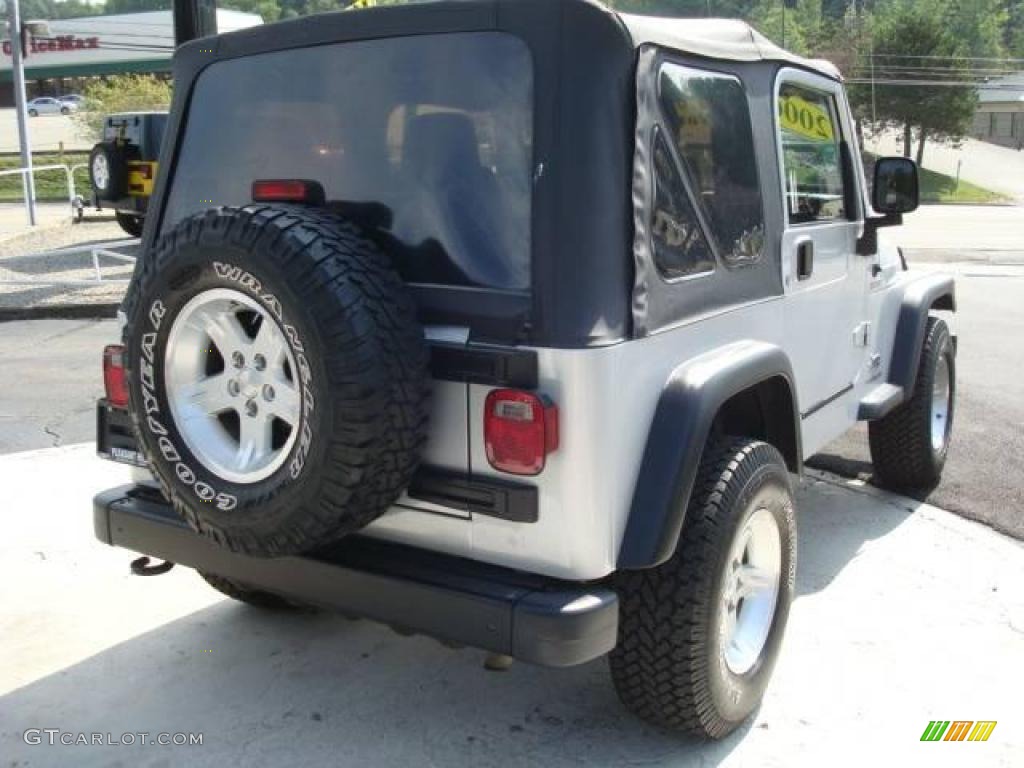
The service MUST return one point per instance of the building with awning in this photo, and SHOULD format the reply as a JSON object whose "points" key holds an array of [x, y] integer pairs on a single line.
{"points": [[74, 50]]}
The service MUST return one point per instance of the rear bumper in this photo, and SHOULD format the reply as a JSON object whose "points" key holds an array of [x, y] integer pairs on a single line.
{"points": [[543, 621]]}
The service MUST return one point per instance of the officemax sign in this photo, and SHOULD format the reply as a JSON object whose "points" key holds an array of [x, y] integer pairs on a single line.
{"points": [[59, 44]]}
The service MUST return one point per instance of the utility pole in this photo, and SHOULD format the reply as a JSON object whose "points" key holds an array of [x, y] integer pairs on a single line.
{"points": [[18, 76]]}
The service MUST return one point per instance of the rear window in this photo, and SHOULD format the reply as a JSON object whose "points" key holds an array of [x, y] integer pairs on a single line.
{"points": [[425, 140]]}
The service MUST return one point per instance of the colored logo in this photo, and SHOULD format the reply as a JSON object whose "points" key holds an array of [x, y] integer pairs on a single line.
{"points": [[958, 730]]}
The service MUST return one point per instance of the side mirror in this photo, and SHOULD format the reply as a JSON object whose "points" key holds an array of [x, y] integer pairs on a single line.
{"points": [[896, 189]]}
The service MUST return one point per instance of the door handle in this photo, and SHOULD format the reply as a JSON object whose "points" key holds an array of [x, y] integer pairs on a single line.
{"points": [[804, 259]]}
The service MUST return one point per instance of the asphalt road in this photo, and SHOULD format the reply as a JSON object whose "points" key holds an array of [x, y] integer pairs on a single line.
{"points": [[51, 378], [903, 614], [984, 474]]}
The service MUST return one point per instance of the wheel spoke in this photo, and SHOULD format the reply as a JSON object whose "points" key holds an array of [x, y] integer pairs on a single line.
{"points": [[209, 396], [750, 580], [254, 440], [286, 403], [224, 329], [270, 343]]}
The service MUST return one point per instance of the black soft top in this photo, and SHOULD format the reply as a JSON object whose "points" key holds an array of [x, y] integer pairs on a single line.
{"points": [[584, 61]]}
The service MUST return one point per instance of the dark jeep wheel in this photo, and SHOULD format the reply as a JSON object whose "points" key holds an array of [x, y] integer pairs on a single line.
{"points": [[909, 445], [278, 376], [699, 634], [256, 597], [130, 223]]}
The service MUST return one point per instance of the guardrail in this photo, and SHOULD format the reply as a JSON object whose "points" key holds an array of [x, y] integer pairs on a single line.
{"points": [[77, 209], [95, 252]]}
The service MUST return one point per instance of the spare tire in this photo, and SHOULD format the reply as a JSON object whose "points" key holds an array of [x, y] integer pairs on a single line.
{"points": [[108, 171], [278, 376]]}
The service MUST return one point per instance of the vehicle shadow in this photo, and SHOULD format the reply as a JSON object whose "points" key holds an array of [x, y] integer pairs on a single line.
{"points": [[267, 688], [835, 519], [273, 689]]}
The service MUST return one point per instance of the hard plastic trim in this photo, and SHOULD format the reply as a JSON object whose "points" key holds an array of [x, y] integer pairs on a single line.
{"points": [[679, 431], [539, 620], [919, 298]]}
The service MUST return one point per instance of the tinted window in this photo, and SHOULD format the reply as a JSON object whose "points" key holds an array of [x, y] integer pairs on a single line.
{"points": [[433, 132], [810, 155], [709, 121], [680, 248]]}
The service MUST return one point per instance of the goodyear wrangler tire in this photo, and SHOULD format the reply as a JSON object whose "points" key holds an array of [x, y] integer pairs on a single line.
{"points": [[278, 376], [699, 635]]}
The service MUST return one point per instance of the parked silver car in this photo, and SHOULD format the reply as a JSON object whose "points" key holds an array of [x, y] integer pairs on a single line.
{"points": [[46, 105]]}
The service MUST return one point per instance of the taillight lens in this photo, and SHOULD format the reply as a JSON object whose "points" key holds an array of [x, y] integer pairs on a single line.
{"points": [[520, 430], [114, 380], [287, 191]]}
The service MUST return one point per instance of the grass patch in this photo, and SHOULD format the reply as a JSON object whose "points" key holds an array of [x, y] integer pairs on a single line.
{"points": [[939, 188], [51, 186]]}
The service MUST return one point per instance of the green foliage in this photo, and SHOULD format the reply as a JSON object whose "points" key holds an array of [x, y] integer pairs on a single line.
{"points": [[55, 9], [904, 37], [121, 93]]}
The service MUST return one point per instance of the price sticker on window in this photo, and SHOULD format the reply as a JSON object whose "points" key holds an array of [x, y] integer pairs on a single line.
{"points": [[806, 119]]}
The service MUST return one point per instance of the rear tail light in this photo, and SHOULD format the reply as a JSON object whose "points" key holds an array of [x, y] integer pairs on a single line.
{"points": [[114, 379], [287, 191], [520, 430]]}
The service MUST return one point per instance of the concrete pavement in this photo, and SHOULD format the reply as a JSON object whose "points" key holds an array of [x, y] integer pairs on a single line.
{"points": [[904, 614]]}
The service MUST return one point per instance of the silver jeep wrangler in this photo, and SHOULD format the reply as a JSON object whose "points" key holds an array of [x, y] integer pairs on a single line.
{"points": [[509, 322]]}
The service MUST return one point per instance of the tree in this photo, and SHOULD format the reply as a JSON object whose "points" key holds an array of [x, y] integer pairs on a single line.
{"points": [[905, 35], [121, 93]]}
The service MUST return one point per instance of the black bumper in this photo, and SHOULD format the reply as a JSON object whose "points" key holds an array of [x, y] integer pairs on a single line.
{"points": [[535, 619]]}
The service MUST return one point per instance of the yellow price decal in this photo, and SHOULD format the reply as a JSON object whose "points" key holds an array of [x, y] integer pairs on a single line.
{"points": [[806, 119]]}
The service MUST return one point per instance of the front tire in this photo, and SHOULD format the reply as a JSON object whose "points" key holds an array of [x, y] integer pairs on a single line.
{"points": [[699, 634], [909, 446], [33, 113]]}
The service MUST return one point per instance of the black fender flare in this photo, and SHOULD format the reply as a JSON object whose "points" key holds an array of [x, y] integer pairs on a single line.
{"points": [[686, 410], [920, 297]]}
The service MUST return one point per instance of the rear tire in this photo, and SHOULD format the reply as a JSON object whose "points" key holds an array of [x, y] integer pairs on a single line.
{"points": [[256, 597], [909, 446], [695, 650], [33, 113]]}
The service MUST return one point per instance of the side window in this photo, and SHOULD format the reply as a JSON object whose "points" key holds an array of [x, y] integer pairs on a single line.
{"points": [[680, 248], [708, 118], [811, 161]]}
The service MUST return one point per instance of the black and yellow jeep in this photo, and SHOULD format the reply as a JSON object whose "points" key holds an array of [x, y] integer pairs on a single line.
{"points": [[122, 167]]}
